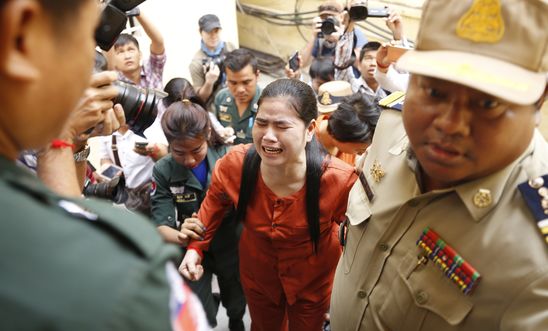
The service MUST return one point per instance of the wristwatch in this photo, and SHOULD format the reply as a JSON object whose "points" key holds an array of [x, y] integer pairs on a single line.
{"points": [[82, 155]]}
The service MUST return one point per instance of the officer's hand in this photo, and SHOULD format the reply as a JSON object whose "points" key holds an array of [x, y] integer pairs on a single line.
{"points": [[213, 73], [191, 267], [192, 228]]}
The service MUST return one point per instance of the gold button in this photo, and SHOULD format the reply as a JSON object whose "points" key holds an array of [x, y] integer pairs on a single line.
{"points": [[421, 297], [482, 198]]}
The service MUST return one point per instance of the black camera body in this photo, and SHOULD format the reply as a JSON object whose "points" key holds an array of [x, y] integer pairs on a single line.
{"points": [[360, 12], [328, 25], [113, 21], [217, 60]]}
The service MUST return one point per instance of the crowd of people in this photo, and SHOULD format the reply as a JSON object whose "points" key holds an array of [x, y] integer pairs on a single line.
{"points": [[315, 203]]}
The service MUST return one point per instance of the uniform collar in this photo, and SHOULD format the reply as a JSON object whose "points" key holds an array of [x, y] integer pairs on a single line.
{"points": [[182, 174], [491, 186]]}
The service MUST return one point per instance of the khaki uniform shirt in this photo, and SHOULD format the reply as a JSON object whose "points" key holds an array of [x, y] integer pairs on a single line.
{"points": [[379, 284], [227, 113]]}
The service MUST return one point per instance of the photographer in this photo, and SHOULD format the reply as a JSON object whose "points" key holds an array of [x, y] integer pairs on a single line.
{"points": [[322, 44], [69, 263], [206, 68], [346, 53], [126, 57]]}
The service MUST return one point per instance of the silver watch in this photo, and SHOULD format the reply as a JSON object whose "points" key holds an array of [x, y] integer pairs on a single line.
{"points": [[82, 155]]}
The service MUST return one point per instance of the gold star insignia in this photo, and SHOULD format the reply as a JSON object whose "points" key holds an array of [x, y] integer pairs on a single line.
{"points": [[376, 171]]}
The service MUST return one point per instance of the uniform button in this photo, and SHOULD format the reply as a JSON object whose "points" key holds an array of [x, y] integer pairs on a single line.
{"points": [[383, 247], [362, 294], [413, 203], [274, 225], [421, 297]]}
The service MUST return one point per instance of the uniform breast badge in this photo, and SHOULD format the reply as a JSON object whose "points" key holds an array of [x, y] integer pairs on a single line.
{"points": [[376, 171], [482, 198], [454, 267], [535, 194]]}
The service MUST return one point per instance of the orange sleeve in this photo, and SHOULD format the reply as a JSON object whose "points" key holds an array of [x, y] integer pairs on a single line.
{"points": [[221, 195]]}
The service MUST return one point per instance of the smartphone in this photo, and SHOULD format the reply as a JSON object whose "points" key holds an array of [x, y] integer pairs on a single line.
{"points": [[395, 52], [294, 63], [141, 144], [110, 171]]}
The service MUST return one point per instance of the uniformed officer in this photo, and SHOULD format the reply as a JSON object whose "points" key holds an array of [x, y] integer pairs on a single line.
{"points": [[180, 182], [69, 264], [236, 105], [447, 226]]}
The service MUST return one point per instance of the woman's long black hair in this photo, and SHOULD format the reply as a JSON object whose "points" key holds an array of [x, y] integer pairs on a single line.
{"points": [[301, 98]]}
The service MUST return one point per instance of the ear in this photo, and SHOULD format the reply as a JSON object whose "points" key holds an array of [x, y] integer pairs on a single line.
{"points": [[310, 130], [257, 73], [18, 23]]}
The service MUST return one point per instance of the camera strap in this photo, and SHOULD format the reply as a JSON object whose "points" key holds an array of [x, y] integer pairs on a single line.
{"points": [[115, 152]]}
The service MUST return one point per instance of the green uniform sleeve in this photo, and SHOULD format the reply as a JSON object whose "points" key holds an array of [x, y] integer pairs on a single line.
{"points": [[163, 207]]}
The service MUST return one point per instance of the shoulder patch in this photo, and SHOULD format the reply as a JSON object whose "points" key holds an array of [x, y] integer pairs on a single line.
{"points": [[535, 194]]}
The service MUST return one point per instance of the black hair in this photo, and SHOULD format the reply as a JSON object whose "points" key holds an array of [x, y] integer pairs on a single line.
{"points": [[370, 46], [301, 98], [355, 119], [193, 124], [124, 39], [184, 120], [322, 68], [239, 59], [178, 89]]}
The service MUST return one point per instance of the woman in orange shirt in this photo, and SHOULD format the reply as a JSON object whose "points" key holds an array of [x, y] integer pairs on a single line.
{"points": [[291, 200]]}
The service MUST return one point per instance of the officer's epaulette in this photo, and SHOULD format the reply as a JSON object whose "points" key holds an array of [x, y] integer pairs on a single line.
{"points": [[393, 101], [535, 194]]}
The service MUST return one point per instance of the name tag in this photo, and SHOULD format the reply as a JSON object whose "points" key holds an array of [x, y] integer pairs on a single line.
{"points": [[186, 197], [225, 117]]}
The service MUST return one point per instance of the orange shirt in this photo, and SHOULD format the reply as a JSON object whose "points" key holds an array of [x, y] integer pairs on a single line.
{"points": [[349, 158], [276, 255]]}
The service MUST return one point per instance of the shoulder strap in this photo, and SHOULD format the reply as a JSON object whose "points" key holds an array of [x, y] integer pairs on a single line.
{"points": [[115, 151], [535, 194]]}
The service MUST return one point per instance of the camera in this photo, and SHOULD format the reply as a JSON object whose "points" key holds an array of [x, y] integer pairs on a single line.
{"points": [[360, 12], [113, 190], [113, 21], [217, 60], [140, 105], [328, 25]]}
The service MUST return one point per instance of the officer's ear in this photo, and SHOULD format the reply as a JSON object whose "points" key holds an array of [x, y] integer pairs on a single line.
{"points": [[20, 22]]}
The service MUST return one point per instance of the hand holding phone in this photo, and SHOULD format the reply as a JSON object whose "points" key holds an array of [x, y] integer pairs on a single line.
{"points": [[294, 62], [110, 171]]}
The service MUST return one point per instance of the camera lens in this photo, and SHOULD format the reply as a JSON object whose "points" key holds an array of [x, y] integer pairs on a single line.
{"points": [[140, 105], [112, 190], [328, 26]]}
